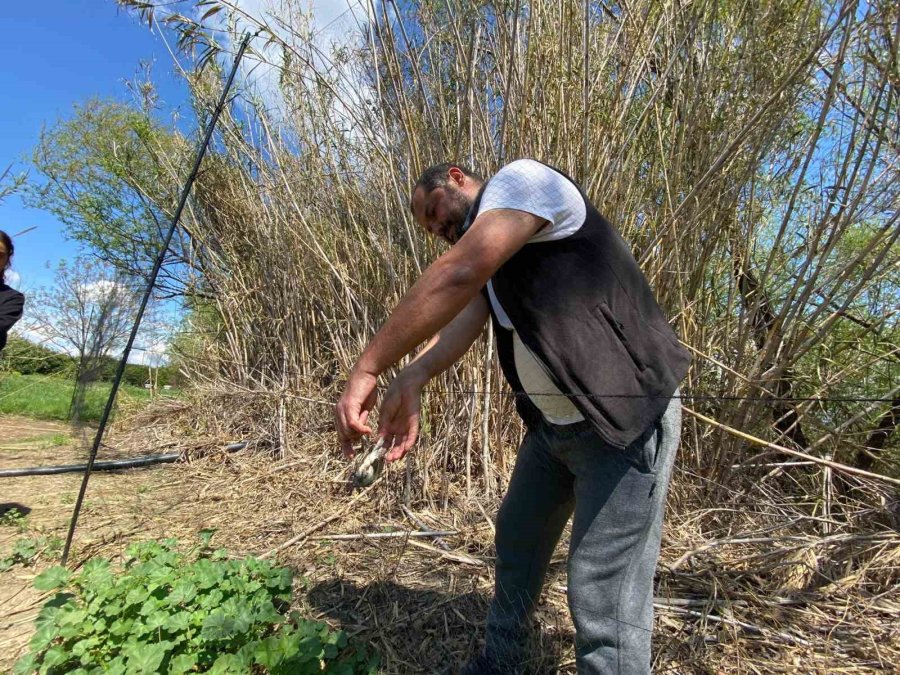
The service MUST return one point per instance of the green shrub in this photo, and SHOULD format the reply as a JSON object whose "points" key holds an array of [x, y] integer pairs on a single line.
{"points": [[14, 518], [26, 358], [29, 549], [169, 612]]}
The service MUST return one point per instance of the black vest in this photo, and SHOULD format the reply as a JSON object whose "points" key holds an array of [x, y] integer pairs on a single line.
{"points": [[585, 310]]}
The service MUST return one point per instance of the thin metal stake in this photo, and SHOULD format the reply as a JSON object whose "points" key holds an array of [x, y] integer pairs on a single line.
{"points": [[210, 127]]}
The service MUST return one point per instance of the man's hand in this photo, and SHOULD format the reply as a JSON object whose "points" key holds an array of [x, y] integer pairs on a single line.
{"points": [[353, 408], [398, 421]]}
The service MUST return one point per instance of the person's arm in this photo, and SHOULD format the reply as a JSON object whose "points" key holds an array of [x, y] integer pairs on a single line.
{"points": [[399, 418], [442, 291], [448, 285], [454, 340], [11, 306]]}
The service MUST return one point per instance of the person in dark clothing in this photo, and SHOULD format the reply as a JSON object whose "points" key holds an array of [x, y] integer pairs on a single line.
{"points": [[595, 368], [11, 301]]}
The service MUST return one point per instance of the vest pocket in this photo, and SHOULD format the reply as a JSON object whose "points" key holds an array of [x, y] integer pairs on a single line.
{"points": [[619, 331]]}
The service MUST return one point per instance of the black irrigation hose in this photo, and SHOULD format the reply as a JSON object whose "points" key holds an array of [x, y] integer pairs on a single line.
{"points": [[111, 465]]}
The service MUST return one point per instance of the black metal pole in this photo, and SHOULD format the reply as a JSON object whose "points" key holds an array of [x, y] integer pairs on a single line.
{"points": [[150, 284]]}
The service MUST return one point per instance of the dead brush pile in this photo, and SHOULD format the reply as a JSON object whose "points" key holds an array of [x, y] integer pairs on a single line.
{"points": [[748, 153]]}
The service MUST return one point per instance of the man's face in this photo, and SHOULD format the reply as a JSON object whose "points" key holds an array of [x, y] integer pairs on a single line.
{"points": [[442, 211], [4, 256]]}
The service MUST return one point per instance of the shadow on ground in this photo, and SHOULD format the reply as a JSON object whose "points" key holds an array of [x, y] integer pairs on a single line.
{"points": [[9, 507], [420, 630]]}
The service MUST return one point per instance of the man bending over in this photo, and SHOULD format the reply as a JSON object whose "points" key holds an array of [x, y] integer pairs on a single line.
{"points": [[595, 369]]}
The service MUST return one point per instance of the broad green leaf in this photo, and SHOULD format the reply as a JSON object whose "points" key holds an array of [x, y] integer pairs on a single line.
{"points": [[85, 645], [206, 536], [55, 577], [55, 656], [175, 623], [182, 663], [95, 573], [25, 666], [268, 653], [212, 599], [136, 596], [217, 626], [121, 626], [230, 664], [116, 667], [70, 632], [43, 637], [156, 621], [146, 658], [70, 615], [182, 593]]}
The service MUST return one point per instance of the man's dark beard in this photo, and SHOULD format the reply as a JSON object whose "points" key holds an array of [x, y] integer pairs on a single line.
{"points": [[452, 227]]}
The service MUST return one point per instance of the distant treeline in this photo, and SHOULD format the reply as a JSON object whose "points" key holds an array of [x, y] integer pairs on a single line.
{"points": [[27, 358]]}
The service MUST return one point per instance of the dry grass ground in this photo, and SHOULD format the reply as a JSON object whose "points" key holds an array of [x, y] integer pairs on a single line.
{"points": [[421, 602]]}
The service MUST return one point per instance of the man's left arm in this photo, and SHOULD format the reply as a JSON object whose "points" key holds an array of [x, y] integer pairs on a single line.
{"points": [[442, 291]]}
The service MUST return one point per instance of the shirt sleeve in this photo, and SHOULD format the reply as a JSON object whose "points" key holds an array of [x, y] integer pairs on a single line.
{"points": [[527, 185], [11, 306]]}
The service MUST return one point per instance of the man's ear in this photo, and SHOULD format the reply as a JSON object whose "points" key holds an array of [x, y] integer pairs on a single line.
{"points": [[456, 176]]}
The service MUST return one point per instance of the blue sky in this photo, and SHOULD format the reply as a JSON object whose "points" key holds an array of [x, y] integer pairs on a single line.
{"points": [[55, 54]]}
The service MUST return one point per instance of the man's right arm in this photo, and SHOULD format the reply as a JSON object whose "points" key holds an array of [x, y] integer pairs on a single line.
{"points": [[399, 416]]}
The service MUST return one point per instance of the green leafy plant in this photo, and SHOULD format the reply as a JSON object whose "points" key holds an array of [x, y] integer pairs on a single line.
{"points": [[28, 549], [14, 518], [23, 552], [172, 612]]}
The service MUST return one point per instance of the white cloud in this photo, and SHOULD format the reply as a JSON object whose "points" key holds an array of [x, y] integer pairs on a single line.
{"points": [[100, 290], [12, 278], [154, 355]]}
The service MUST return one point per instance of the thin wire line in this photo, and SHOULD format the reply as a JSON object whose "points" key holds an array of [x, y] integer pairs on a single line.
{"points": [[690, 397]]}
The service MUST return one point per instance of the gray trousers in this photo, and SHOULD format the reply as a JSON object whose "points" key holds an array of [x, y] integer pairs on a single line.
{"points": [[618, 498]]}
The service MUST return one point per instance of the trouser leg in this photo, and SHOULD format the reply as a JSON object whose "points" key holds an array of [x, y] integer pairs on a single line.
{"points": [[620, 503], [530, 521]]}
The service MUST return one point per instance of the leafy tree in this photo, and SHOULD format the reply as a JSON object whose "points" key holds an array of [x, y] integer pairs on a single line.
{"points": [[111, 174], [10, 183], [87, 313]]}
